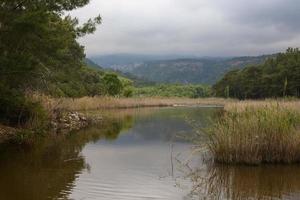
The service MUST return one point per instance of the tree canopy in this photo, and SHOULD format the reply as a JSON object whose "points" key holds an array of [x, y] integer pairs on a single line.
{"points": [[37, 39], [37, 42], [277, 77]]}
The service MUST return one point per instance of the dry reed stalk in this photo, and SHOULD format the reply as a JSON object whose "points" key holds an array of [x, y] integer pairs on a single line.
{"points": [[256, 132], [96, 103]]}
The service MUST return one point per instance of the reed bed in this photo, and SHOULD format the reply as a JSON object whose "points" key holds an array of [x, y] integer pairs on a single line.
{"points": [[96, 103], [293, 104], [256, 133]]}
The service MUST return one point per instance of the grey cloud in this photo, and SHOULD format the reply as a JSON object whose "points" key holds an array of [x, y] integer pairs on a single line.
{"points": [[198, 27], [278, 13]]}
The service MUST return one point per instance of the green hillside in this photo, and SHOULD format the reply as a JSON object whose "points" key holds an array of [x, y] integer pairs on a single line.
{"points": [[200, 71], [277, 77]]}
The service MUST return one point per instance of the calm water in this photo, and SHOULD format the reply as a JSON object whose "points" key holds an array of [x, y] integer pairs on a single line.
{"points": [[136, 154]]}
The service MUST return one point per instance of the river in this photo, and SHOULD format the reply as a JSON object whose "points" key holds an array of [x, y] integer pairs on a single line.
{"points": [[136, 154]]}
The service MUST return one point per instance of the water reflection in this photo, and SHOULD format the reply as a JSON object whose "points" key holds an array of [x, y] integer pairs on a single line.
{"points": [[246, 182], [138, 164], [48, 170], [128, 156], [40, 173], [164, 124]]}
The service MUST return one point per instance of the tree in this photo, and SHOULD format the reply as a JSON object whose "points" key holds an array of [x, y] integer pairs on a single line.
{"points": [[36, 41], [112, 84], [277, 77]]}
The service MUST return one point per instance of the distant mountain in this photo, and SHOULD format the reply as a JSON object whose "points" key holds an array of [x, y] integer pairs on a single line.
{"points": [[185, 70], [136, 80], [126, 61]]}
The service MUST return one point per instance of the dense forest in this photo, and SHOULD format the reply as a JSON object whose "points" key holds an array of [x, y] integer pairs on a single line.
{"points": [[277, 77]]}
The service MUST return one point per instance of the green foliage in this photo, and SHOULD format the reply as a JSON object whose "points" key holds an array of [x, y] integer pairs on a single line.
{"points": [[38, 44], [87, 81], [37, 39], [112, 83], [135, 81], [15, 109], [277, 77], [128, 92], [76, 83], [173, 90]]}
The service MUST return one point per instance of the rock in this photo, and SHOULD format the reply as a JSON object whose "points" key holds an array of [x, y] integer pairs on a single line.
{"points": [[70, 121], [54, 125]]}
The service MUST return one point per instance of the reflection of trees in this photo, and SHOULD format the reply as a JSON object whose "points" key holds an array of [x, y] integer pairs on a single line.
{"points": [[243, 182], [48, 170], [107, 129], [41, 172]]}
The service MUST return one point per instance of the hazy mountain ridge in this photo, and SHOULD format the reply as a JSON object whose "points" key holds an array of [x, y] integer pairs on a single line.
{"points": [[184, 70], [126, 61]]}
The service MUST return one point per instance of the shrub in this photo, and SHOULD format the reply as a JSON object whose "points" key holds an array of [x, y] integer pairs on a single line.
{"points": [[113, 84], [128, 92], [18, 110]]}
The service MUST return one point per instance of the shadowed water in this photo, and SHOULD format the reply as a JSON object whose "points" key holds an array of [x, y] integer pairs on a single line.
{"points": [[136, 154]]}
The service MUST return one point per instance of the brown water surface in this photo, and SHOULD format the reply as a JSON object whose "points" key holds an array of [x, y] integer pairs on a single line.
{"points": [[136, 154]]}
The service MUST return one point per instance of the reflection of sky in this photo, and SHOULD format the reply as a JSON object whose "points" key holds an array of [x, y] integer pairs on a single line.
{"points": [[164, 125], [149, 131], [129, 172], [137, 165]]}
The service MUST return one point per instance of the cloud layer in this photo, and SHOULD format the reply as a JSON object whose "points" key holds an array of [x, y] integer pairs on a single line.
{"points": [[195, 27]]}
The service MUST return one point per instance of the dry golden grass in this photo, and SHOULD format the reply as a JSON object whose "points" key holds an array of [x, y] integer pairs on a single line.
{"points": [[255, 132], [96, 103], [293, 104]]}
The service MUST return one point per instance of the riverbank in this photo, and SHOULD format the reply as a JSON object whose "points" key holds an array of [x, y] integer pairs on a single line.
{"points": [[67, 114], [98, 103], [59, 123]]}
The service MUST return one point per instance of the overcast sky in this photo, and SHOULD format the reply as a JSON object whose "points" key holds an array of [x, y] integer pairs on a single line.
{"points": [[193, 27]]}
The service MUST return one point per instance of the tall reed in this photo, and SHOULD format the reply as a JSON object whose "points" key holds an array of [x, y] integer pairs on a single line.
{"points": [[255, 135]]}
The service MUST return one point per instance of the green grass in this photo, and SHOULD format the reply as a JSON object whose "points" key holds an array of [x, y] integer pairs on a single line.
{"points": [[256, 135]]}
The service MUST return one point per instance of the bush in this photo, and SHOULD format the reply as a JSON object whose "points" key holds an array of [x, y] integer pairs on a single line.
{"points": [[18, 110], [128, 92], [112, 84]]}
